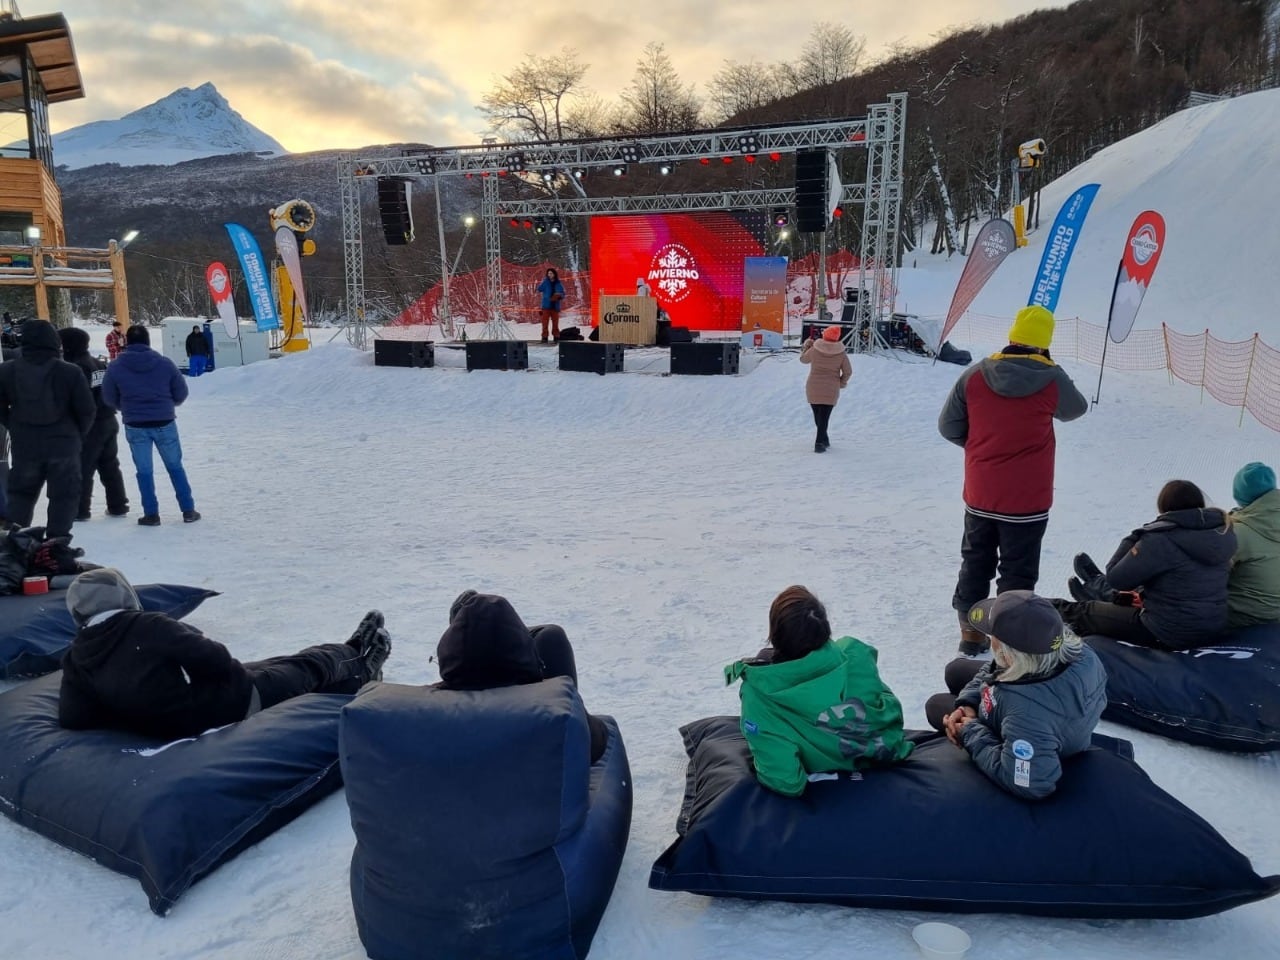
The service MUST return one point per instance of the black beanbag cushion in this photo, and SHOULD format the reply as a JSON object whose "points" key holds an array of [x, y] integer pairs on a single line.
{"points": [[482, 828], [36, 631], [166, 817], [1108, 843], [1225, 696]]}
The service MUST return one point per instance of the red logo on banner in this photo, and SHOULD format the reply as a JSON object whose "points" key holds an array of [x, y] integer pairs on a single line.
{"points": [[219, 282], [672, 271], [1141, 254]]}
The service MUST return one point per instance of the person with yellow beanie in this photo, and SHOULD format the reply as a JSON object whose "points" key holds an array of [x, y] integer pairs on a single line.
{"points": [[1001, 411]]}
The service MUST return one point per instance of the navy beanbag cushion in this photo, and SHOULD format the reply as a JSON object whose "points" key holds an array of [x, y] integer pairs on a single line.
{"points": [[166, 817], [1108, 843], [482, 828], [36, 631], [1225, 696]]}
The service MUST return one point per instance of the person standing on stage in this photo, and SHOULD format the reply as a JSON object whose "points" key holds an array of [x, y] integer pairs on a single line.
{"points": [[552, 291], [829, 373]]}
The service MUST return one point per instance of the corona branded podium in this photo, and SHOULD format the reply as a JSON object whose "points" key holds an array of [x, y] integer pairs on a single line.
{"points": [[628, 318]]}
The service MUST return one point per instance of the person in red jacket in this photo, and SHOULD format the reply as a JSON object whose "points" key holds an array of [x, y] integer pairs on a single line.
{"points": [[115, 340], [1001, 411]]}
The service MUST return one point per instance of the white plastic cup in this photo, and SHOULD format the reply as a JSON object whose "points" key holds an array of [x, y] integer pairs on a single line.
{"points": [[941, 941]]}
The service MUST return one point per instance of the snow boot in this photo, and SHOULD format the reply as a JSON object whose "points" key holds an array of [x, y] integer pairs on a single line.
{"points": [[1085, 568], [974, 644]]}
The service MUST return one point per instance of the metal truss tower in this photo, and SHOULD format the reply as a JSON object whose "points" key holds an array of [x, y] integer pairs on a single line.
{"points": [[882, 213], [357, 326]]}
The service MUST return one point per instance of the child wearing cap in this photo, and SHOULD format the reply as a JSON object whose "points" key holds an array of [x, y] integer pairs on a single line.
{"points": [[1034, 703], [813, 705], [1253, 590], [829, 373]]}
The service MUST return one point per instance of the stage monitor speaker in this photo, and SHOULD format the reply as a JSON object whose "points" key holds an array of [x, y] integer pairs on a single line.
{"points": [[811, 191], [404, 353], [584, 356], [705, 357], [497, 355], [394, 208]]}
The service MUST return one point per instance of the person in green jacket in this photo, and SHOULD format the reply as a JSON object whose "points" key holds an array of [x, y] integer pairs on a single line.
{"points": [[1253, 589], [811, 704]]}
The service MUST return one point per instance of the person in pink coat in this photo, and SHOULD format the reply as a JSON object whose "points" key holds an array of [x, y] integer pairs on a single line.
{"points": [[829, 373]]}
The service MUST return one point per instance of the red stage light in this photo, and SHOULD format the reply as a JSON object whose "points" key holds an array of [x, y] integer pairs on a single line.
{"points": [[515, 222], [838, 212], [775, 156], [528, 224], [502, 173], [726, 159], [705, 161], [484, 173], [470, 176], [750, 158]]}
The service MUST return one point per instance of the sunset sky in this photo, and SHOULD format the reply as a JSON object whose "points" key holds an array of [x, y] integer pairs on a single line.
{"points": [[332, 73]]}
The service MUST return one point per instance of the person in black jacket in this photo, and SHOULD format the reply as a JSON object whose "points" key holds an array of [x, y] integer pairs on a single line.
{"points": [[197, 351], [487, 645], [151, 674], [1172, 572], [48, 408], [100, 453]]}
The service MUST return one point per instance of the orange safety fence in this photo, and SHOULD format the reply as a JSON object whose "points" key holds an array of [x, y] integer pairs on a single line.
{"points": [[1238, 373]]}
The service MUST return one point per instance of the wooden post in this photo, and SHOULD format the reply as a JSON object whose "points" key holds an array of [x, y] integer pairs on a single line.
{"points": [[41, 291], [119, 284]]}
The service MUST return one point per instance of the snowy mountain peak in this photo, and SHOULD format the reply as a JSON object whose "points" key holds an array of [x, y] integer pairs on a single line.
{"points": [[186, 125]]}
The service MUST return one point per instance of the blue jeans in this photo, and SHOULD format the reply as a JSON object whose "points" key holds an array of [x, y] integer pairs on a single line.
{"points": [[197, 363], [166, 441]]}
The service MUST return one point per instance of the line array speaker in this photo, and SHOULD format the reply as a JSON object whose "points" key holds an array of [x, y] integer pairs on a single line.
{"points": [[811, 191], [393, 207]]}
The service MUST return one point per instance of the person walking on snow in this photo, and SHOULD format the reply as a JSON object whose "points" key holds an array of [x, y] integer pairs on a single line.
{"points": [[1001, 411], [99, 453], [197, 351], [829, 373], [145, 387]]}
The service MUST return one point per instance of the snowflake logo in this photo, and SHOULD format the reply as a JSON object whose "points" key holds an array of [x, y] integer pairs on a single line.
{"points": [[672, 271]]}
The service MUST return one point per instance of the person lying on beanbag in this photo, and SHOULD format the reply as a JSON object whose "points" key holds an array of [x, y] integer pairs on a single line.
{"points": [[1035, 702], [811, 705], [148, 673], [487, 645]]}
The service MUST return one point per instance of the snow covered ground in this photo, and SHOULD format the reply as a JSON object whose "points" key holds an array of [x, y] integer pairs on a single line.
{"points": [[655, 518]]}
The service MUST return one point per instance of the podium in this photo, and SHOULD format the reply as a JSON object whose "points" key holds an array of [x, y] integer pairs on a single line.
{"points": [[628, 318]]}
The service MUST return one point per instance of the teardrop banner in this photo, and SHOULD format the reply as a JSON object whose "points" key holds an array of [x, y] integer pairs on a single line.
{"points": [[1059, 247], [994, 242], [1142, 251], [219, 282], [256, 276]]}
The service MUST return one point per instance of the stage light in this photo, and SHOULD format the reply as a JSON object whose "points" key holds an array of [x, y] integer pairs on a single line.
{"points": [[515, 222], [556, 225], [783, 234], [780, 218], [528, 224], [619, 169], [726, 159], [468, 221], [666, 166], [748, 143], [426, 166], [750, 158], [705, 161], [539, 225], [775, 156], [514, 162], [579, 173], [548, 176], [631, 153], [838, 212]]}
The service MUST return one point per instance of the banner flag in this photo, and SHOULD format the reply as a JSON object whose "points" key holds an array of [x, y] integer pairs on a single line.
{"points": [[764, 301], [220, 289], [287, 248], [995, 241], [1141, 254], [256, 277], [835, 189], [1059, 247]]}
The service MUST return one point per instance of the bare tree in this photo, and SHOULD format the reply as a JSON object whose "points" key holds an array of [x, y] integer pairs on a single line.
{"points": [[832, 53], [739, 87], [657, 101], [535, 100]]}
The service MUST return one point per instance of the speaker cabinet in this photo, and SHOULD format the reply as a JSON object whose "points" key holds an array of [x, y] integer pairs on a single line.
{"points": [[497, 355], [811, 191], [394, 208], [584, 356], [813, 331], [404, 353], [705, 357]]}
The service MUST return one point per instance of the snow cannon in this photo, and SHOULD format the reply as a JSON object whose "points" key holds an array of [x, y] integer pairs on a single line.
{"points": [[290, 222]]}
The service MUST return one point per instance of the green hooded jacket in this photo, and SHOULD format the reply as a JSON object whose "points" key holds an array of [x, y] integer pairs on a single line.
{"points": [[825, 712], [1253, 591]]}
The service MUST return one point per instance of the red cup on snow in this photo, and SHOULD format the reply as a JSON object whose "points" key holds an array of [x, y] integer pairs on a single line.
{"points": [[34, 585]]}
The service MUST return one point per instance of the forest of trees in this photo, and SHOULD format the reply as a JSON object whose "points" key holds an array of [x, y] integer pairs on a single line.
{"points": [[1081, 77]]}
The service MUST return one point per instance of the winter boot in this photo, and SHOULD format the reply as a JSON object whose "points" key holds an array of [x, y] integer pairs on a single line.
{"points": [[363, 634], [376, 653], [1085, 568], [974, 644]]}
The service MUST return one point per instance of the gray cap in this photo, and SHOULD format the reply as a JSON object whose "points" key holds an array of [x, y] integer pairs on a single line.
{"points": [[97, 591], [1019, 619]]}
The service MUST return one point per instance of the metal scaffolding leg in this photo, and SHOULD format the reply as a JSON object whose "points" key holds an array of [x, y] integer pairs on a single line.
{"points": [[878, 263], [496, 327], [356, 325]]}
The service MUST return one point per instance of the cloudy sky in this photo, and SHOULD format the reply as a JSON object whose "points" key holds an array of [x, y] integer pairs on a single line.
{"points": [[336, 73]]}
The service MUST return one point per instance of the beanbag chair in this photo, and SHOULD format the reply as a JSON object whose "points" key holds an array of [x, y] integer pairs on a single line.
{"points": [[170, 816], [36, 631], [1107, 843], [482, 828], [1225, 696]]}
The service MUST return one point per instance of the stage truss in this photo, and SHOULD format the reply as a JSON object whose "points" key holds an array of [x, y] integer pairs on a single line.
{"points": [[882, 133]]}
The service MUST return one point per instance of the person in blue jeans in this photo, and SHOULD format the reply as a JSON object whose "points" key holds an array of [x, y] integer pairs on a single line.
{"points": [[197, 351], [146, 387]]}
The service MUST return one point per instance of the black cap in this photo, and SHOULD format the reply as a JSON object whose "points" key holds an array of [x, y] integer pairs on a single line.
{"points": [[1019, 619]]}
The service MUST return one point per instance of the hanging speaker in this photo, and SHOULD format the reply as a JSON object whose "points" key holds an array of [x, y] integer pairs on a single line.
{"points": [[811, 191], [393, 206]]}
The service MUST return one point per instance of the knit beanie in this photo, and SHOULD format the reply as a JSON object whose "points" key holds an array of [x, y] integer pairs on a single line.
{"points": [[97, 591], [832, 333], [1032, 326], [1252, 481]]}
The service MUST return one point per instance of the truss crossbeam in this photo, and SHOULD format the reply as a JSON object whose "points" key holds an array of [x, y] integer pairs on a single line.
{"points": [[664, 203]]}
